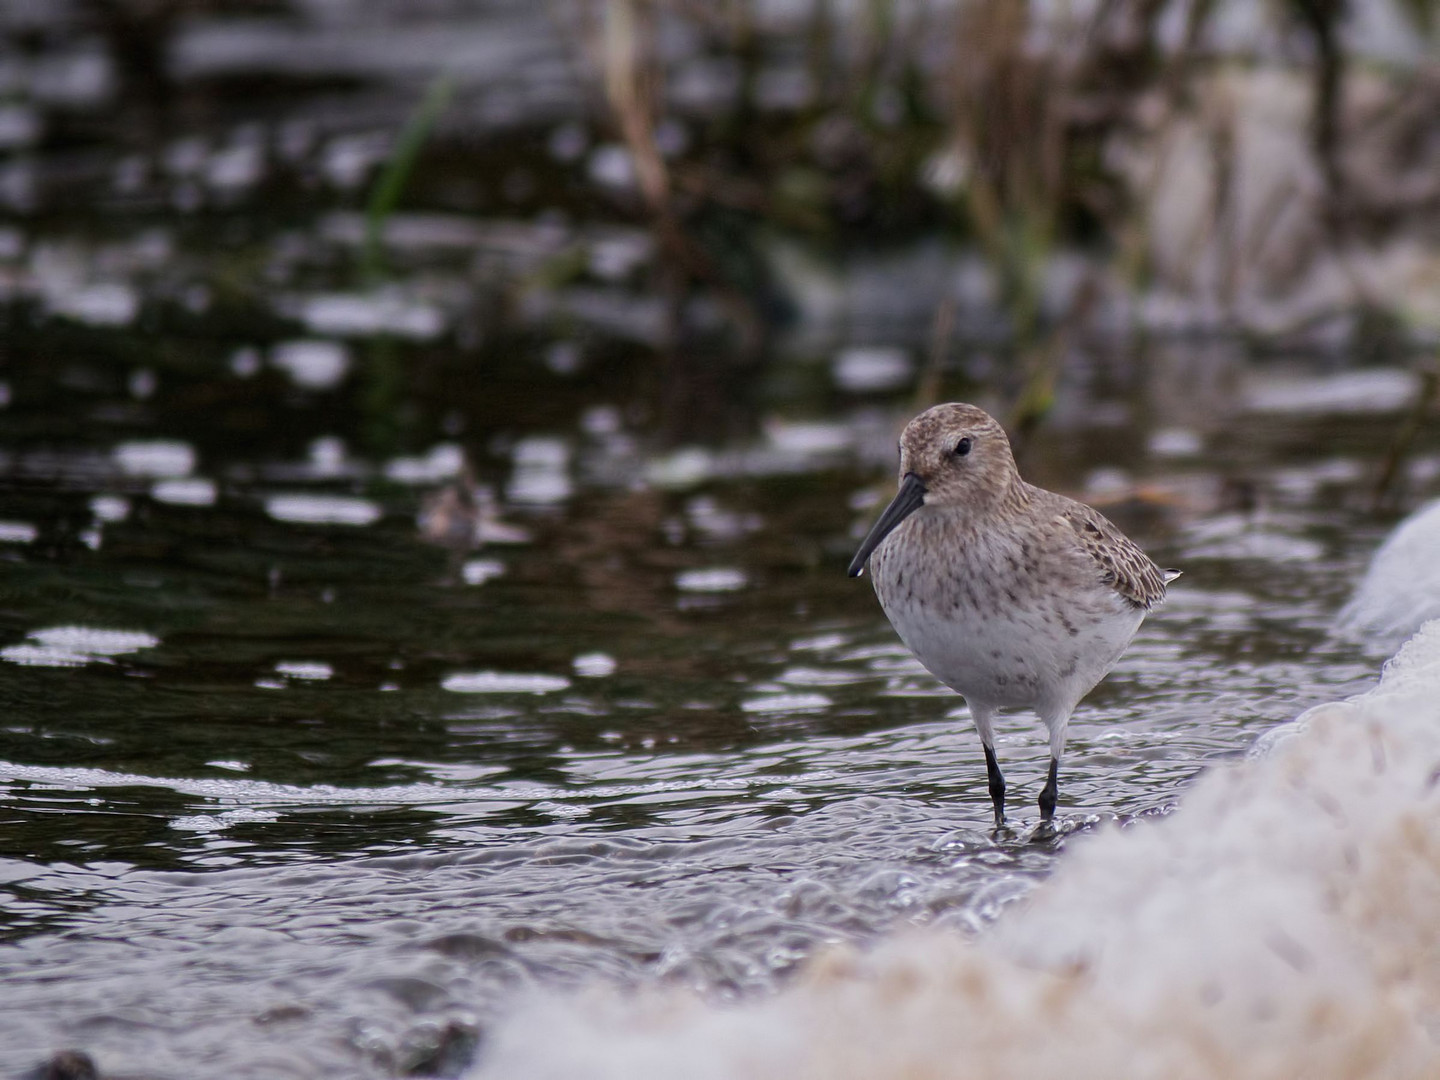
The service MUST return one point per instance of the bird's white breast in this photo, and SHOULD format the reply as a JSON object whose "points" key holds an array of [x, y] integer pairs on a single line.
{"points": [[1000, 629]]}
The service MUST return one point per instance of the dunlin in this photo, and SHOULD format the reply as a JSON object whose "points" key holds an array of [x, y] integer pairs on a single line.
{"points": [[1011, 595]]}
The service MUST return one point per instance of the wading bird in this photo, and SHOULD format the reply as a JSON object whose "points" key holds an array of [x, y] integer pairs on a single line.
{"points": [[1011, 595]]}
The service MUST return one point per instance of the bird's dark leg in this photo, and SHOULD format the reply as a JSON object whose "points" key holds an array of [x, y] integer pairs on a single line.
{"points": [[997, 785], [1050, 791]]}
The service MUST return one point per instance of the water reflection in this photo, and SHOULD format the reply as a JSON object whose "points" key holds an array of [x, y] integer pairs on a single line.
{"points": [[74, 646], [189, 491], [155, 458], [313, 364], [17, 532], [315, 509], [496, 682]]}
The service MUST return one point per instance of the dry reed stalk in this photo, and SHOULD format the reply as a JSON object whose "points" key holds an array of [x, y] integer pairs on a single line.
{"points": [[1007, 125], [633, 77], [1032, 102], [632, 81]]}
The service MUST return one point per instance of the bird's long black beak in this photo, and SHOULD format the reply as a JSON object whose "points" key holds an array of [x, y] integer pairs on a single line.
{"points": [[908, 499]]}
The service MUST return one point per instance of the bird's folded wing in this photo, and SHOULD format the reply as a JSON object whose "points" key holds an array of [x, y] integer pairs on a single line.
{"points": [[1122, 565]]}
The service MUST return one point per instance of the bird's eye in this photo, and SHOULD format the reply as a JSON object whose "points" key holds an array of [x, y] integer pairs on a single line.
{"points": [[962, 447]]}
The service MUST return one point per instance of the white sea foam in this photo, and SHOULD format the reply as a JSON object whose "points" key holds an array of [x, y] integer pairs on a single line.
{"points": [[1283, 922], [211, 823], [1401, 589]]}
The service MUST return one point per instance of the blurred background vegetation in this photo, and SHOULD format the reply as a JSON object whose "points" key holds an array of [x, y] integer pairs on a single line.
{"points": [[690, 200]]}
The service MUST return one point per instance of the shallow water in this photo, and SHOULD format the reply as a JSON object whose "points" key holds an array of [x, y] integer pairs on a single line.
{"points": [[283, 793], [1269, 927]]}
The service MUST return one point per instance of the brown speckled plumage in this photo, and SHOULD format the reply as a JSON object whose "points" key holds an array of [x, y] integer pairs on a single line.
{"points": [[1122, 565], [1012, 595]]}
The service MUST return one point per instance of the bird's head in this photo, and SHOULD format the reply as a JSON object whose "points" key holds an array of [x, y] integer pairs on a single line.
{"points": [[951, 455], [959, 453]]}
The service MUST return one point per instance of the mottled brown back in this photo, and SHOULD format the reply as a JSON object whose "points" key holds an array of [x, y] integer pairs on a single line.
{"points": [[1118, 560]]}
